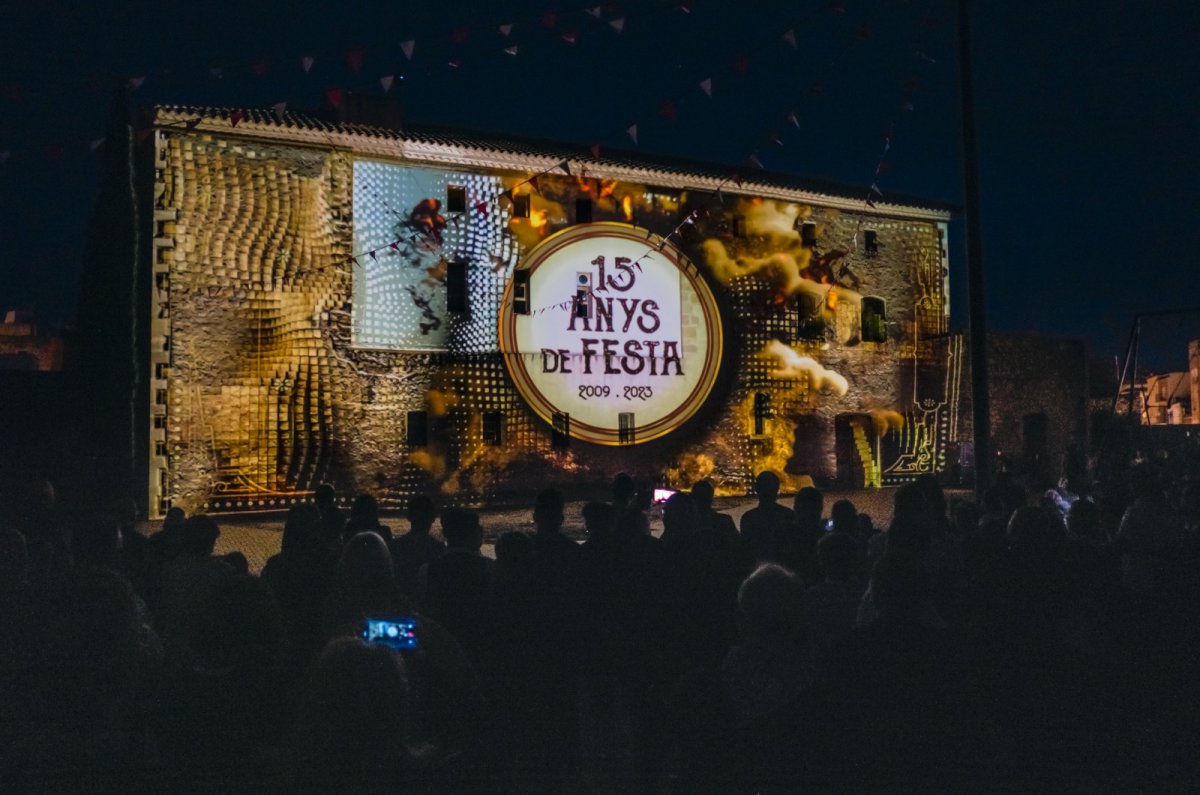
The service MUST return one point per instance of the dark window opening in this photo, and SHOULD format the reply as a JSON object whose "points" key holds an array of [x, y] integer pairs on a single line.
{"points": [[456, 199], [871, 242], [808, 234], [418, 428], [583, 211], [456, 286], [560, 435], [625, 427], [493, 422], [811, 323], [521, 205], [762, 412], [737, 226], [521, 291], [874, 320]]}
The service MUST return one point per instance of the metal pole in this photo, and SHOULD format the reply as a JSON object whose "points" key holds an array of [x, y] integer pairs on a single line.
{"points": [[981, 410]]}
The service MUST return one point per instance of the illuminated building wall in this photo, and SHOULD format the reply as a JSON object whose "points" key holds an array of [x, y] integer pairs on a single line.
{"points": [[285, 353]]}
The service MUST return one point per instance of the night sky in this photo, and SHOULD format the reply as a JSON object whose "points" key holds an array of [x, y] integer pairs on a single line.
{"points": [[1088, 117]]}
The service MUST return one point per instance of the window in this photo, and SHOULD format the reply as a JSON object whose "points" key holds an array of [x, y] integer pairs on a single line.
{"points": [[737, 226], [811, 323], [625, 427], [874, 320], [762, 412], [871, 242], [583, 211], [560, 437], [456, 286], [808, 234], [521, 205], [521, 291], [418, 429], [493, 423], [456, 199]]}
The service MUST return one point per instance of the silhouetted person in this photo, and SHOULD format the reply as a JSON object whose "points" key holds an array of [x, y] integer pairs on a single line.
{"points": [[800, 549], [301, 577], [365, 586], [766, 528], [455, 588], [332, 519], [417, 547], [364, 516], [833, 603], [630, 511], [189, 580]]}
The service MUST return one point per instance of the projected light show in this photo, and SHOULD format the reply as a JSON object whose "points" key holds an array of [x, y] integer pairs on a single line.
{"points": [[406, 314]]}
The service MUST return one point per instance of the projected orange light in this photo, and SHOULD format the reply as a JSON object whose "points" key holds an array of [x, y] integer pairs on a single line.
{"points": [[627, 207]]}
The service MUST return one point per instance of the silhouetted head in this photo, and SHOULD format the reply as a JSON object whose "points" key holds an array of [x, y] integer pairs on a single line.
{"points": [[461, 529], [324, 496], [931, 490], [199, 535], [702, 494], [352, 724], [420, 513], [679, 515], [599, 519], [838, 554], [366, 564], [771, 602], [514, 557], [548, 510], [1083, 520], [809, 505], [912, 521], [364, 511], [845, 517], [302, 528], [766, 486], [174, 520], [1036, 538], [899, 584], [623, 490]]}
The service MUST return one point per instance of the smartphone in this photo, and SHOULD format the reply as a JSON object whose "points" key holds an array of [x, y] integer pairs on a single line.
{"points": [[662, 495], [395, 633]]}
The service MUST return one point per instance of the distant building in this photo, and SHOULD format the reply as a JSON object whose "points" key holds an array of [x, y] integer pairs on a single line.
{"points": [[22, 347]]}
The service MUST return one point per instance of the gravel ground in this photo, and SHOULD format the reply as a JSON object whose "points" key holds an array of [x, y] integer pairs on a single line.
{"points": [[258, 536]]}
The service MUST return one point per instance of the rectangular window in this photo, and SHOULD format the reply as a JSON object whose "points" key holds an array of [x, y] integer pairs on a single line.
{"points": [[418, 429], [456, 286], [625, 427], [762, 412], [521, 291], [493, 423], [456, 199], [521, 205], [737, 226], [560, 436], [808, 234], [583, 211]]}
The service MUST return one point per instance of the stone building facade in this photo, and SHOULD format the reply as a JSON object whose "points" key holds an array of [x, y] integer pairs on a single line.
{"points": [[326, 301]]}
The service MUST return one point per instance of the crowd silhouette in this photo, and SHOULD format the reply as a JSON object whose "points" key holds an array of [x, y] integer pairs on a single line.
{"points": [[1040, 640]]}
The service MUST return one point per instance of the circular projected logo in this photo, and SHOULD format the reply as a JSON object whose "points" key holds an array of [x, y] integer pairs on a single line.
{"points": [[611, 334]]}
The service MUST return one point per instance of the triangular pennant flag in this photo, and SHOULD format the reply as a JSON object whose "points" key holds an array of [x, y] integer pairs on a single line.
{"points": [[668, 111], [481, 207], [593, 11], [875, 188], [883, 168], [407, 48], [354, 260], [334, 95], [925, 57], [507, 195], [631, 131], [454, 63], [505, 29], [372, 253], [774, 138], [192, 124], [870, 203], [307, 62], [907, 106], [685, 8], [570, 36], [617, 24], [394, 246], [234, 117], [386, 81], [511, 50], [595, 150], [737, 179], [566, 167], [533, 183], [96, 144], [706, 86], [354, 59], [753, 159], [144, 134], [136, 82], [279, 109], [794, 119], [790, 37], [217, 72]]}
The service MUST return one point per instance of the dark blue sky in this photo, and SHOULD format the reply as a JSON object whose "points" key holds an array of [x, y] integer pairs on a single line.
{"points": [[1087, 110]]}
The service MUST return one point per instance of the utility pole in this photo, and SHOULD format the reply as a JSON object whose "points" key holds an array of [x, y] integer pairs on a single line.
{"points": [[981, 410]]}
